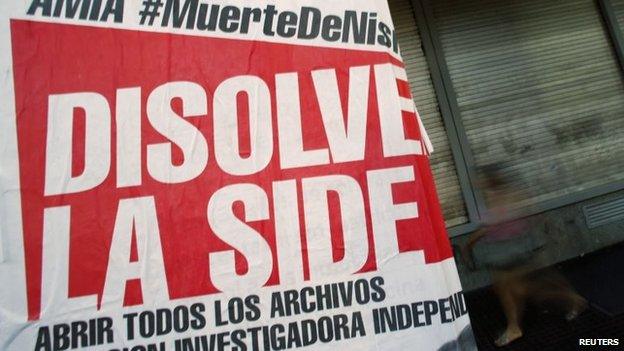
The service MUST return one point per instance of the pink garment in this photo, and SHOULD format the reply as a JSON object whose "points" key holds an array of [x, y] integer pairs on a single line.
{"points": [[499, 229]]}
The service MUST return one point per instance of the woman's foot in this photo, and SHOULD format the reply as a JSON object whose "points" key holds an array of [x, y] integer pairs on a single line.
{"points": [[575, 311], [508, 336]]}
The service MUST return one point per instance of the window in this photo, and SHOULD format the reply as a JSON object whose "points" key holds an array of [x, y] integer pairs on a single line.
{"points": [[442, 164], [539, 91]]}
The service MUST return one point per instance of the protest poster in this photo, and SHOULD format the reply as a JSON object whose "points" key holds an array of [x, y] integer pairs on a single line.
{"points": [[216, 175]]}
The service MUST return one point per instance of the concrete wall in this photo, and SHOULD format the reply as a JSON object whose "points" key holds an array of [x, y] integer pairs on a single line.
{"points": [[566, 236]]}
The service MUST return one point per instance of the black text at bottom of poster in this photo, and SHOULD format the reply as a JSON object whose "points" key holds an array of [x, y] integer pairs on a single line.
{"points": [[295, 318]]}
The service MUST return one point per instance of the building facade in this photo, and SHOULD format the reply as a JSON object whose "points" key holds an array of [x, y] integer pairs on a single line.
{"points": [[535, 87]]}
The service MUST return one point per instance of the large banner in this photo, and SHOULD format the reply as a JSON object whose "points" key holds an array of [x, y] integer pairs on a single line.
{"points": [[194, 175]]}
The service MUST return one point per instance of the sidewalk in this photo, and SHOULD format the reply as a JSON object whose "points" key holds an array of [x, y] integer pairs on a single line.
{"points": [[548, 330]]}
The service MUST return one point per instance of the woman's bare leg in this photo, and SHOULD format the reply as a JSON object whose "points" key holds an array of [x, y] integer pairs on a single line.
{"points": [[509, 288], [553, 287]]}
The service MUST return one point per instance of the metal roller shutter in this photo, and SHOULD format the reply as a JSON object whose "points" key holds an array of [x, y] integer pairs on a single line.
{"points": [[618, 8], [424, 96], [539, 91]]}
